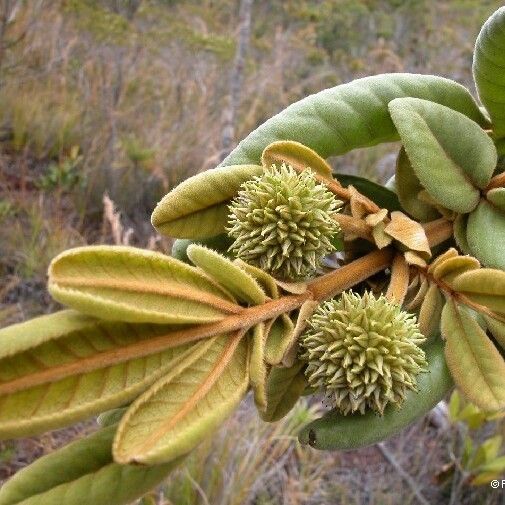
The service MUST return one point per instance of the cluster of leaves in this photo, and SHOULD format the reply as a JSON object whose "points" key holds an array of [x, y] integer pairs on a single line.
{"points": [[180, 344], [479, 460]]}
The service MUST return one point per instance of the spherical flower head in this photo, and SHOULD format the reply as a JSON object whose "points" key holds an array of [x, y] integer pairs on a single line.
{"points": [[362, 352], [282, 222]]}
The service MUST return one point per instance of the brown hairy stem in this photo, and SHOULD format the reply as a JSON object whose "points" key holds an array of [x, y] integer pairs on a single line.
{"points": [[319, 289], [399, 283], [343, 278], [438, 231]]}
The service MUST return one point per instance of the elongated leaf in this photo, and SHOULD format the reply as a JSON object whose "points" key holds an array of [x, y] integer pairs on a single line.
{"points": [[219, 243], [459, 230], [337, 120], [488, 65], [409, 233], [185, 406], [485, 234], [284, 388], [267, 282], [227, 274], [475, 364], [497, 198], [197, 208], [485, 286], [382, 196], [451, 155], [337, 432], [452, 267], [83, 473], [135, 285], [408, 188], [58, 369], [297, 155], [430, 312], [279, 339], [497, 329], [257, 366]]}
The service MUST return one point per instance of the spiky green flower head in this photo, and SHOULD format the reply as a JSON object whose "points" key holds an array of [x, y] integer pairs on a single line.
{"points": [[362, 352], [282, 222]]}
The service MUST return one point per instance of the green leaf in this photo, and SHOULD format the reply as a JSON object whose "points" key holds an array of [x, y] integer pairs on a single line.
{"points": [[454, 406], [488, 65], [197, 208], [497, 329], [430, 312], [279, 339], [83, 473], [337, 432], [451, 155], [227, 274], [475, 364], [485, 286], [257, 366], [485, 234], [185, 406], [266, 281], [486, 452], [61, 368], [452, 267], [220, 243], [111, 417], [135, 285], [284, 388], [382, 196], [408, 188], [459, 230], [337, 120], [496, 197], [297, 155]]}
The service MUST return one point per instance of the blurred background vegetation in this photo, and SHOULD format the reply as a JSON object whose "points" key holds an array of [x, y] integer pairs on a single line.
{"points": [[105, 105]]}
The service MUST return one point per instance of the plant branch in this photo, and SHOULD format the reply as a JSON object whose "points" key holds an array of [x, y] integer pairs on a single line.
{"points": [[438, 231], [343, 278]]}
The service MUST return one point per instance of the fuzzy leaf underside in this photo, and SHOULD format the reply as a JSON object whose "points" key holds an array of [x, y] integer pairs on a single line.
{"points": [[345, 117], [185, 406], [279, 339], [488, 69], [284, 387], [197, 208], [486, 245], [450, 154], [257, 365], [228, 274], [408, 188], [297, 155], [335, 431], [136, 285], [497, 329], [81, 367], [485, 286], [83, 473], [476, 365]]}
